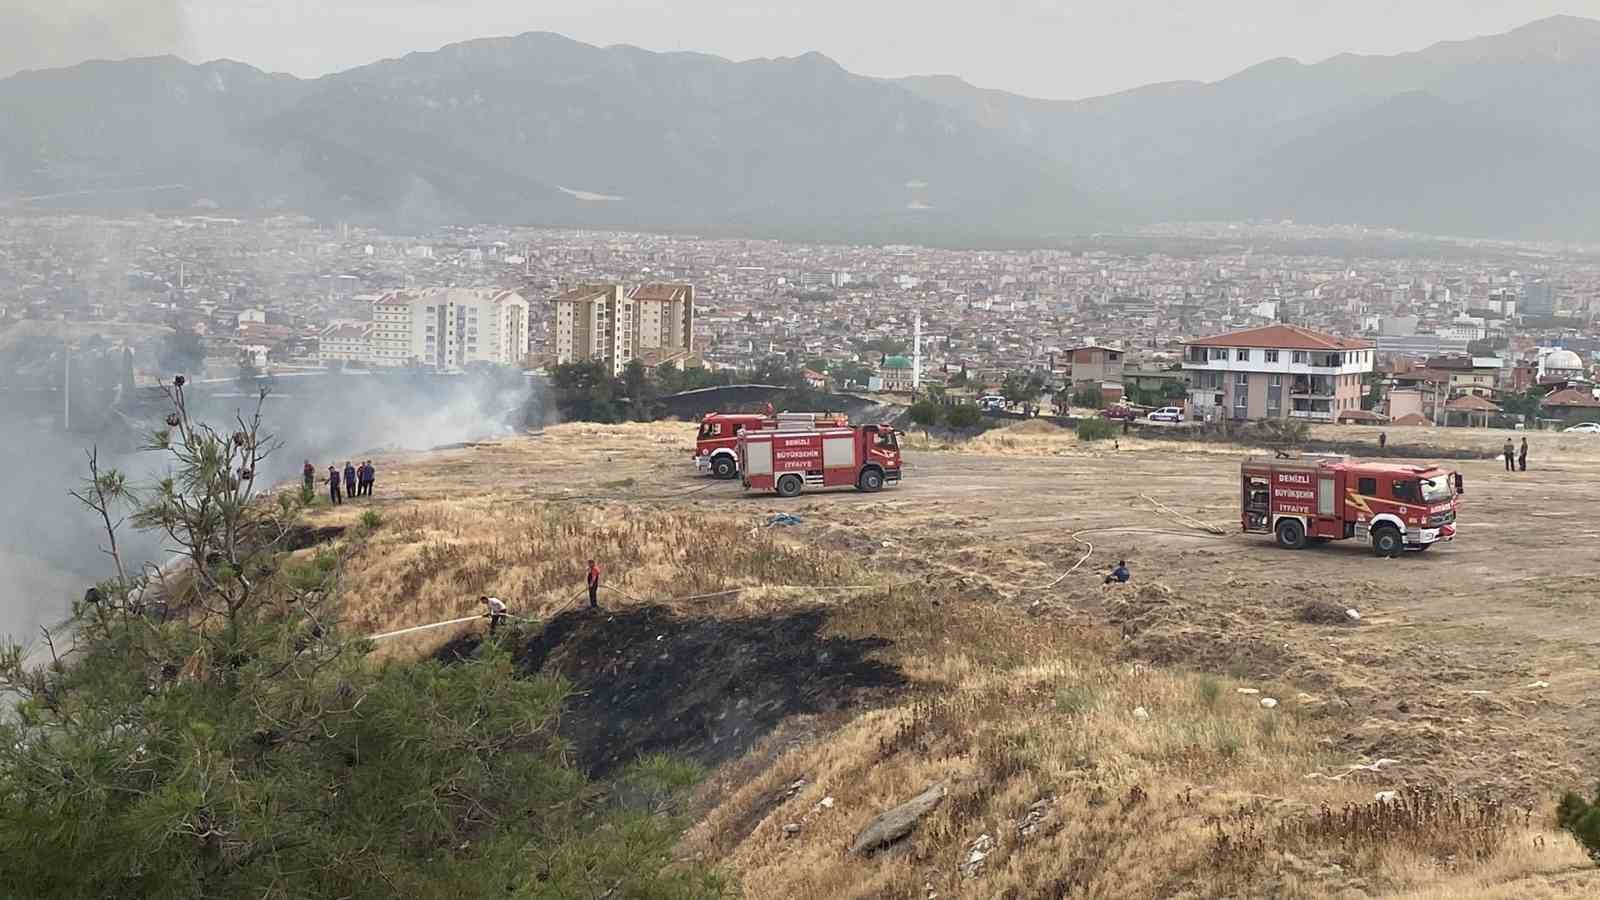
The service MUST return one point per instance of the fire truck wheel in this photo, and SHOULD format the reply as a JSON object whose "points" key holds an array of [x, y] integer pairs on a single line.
{"points": [[1291, 534], [789, 486], [1388, 542], [871, 481], [723, 467]]}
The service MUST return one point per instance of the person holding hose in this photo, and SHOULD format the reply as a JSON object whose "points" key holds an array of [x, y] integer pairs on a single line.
{"points": [[593, 577], [496, 613]]}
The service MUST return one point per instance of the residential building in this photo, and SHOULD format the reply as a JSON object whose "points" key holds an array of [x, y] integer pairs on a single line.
{"points": [[1475, 375], [448, 328], [1093, 364], [1276, 372], [1572, 405], [345, 343], [653, 323], [594, 322], [663, 317]]}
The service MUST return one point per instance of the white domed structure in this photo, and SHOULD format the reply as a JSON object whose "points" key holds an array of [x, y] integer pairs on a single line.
{"points": [[1561, 364]]}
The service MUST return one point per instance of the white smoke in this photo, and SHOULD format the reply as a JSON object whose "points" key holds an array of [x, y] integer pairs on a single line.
{"points": [[51, 554], [38, 34]]}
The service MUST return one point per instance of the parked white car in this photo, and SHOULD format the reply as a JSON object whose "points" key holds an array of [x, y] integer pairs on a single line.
{"points": [[1583, 428], [1172, 414]]}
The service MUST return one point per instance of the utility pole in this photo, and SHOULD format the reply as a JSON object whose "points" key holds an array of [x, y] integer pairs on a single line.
{"points": [[916, 354]]}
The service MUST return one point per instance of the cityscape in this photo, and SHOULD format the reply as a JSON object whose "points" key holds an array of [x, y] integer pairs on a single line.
{"points": [[284, 295]]}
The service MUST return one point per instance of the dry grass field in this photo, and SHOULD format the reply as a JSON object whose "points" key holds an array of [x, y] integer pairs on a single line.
{"points": [[1093, 741]]}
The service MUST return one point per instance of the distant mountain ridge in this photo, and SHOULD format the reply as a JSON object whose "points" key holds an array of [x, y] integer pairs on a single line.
{"points": [[1490, 136]]}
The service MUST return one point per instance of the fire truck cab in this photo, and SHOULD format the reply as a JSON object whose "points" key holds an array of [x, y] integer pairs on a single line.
{"points": [[716, 446], [1306, 500], [865, 457]]}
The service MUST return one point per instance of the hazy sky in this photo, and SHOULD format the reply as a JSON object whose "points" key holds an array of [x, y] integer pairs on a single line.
{"points": [[1052, 48]]}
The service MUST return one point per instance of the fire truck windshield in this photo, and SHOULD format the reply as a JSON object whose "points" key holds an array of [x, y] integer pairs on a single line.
{"points": [[1437, 490], [707, 430]]}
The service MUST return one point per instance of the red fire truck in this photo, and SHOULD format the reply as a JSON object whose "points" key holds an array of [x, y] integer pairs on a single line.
{"points": [[716, 449], [1304, 500], [865, 457]]}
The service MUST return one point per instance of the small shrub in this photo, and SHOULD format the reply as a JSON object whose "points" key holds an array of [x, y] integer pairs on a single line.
{"points": [[371, 519], [925, 413], [1208, 691], [1096, 430], [1075, 700], [1089, 398], [308, 496], [1581, 819], [963, 416]]}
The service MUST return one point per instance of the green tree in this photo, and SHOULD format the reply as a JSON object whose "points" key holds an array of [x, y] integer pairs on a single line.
{"points": [[1022, 388], [586, 392], [248, 373], [215, 733], [963, 416], [182, 351], [641, 392], [924, 413], [852, 374], [1529, 403], [1089, 398]]}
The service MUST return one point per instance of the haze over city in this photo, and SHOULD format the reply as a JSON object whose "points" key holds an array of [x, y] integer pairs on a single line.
{"points": [[1052, 49]]}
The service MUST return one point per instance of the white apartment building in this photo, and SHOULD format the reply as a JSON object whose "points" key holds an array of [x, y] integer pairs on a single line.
{"points": [[344, 342], [653, 323], [594, 322], [448, 328], [1275, 372], [663, 316]]}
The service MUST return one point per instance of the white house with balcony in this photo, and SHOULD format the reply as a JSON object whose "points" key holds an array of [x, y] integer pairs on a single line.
{"points": [[1275, 372]]}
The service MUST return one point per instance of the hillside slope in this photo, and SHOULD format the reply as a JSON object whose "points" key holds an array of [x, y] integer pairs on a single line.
{"points": [[953, 633]]}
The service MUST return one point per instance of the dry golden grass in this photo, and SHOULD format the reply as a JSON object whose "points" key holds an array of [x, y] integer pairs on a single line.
{"points": [[429, 563], [1542, 445], [1016, 711], [1007, 708], [1039, 438]]}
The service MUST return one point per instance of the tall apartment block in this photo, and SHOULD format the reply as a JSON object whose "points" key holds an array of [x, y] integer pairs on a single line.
{"points": [[663, 316], [587, 326], [449, 328], [654, 324]]}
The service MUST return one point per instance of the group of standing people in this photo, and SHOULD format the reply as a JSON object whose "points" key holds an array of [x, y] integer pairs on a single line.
{"points": [[1516, 459], [355, 481]]}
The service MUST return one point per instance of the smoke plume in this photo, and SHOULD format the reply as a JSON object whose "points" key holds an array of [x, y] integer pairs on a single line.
{"points": [[38, 34], [49, 548]]}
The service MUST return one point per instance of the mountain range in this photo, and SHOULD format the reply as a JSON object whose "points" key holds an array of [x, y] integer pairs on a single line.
{"points": [[1495, 136]]}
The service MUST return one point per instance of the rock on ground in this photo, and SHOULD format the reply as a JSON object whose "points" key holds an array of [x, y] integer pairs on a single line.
{"points": [[898, 822]]}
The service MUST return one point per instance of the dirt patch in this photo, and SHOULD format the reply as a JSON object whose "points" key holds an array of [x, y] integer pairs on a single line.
{"points": [[1035, 426], [1324, 612], [648, 681], [302, 537]]}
